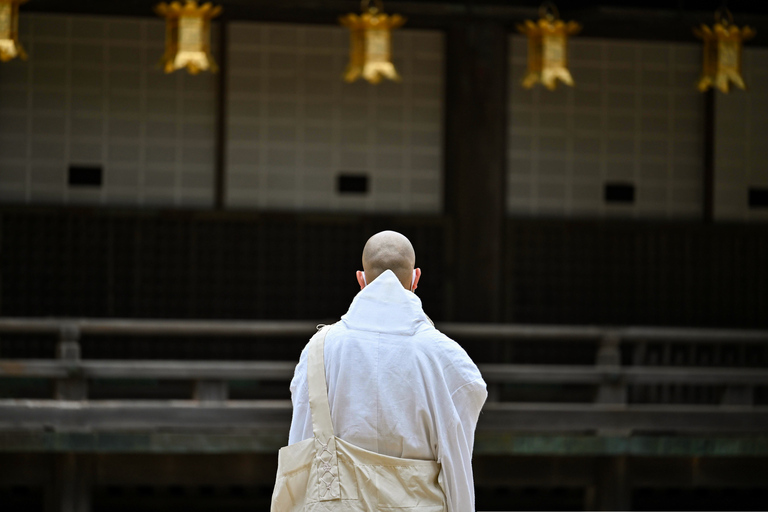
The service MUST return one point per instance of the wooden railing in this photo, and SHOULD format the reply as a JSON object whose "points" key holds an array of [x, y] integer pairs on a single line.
{"points": [[209, 408]]}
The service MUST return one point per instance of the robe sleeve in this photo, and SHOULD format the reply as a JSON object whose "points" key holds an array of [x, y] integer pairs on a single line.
{"points": [[301, 420], [455, 444]]}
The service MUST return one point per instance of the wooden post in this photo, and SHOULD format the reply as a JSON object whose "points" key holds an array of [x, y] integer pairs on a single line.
{"points": [[220, 179], [475, 167], [73, 387], [70, 486], [494, 392], [612, 490], [612, 390], [708, 178], [211, 390]]}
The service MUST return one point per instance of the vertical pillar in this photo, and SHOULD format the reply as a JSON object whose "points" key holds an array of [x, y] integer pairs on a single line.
{"points": [[220, 178], [475, 167], [612, 390], [70, 486], [612, 489], [74, 386], [708, 179], [211, 390]]}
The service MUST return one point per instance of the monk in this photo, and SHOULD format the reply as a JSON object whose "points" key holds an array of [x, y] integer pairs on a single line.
{"points": [[396, 385]]}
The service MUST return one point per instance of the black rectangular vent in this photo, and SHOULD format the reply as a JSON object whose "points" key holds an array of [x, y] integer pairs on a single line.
{"points": [[85, 176], [352, 184], [619, 193], [758, 197]]}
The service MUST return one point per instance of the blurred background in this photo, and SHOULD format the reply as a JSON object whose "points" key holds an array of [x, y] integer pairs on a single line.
{"points": [[169, 241]]}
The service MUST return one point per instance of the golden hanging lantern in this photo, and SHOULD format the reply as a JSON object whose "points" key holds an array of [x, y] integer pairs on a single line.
{"points": [[10, 47], [370, 50], [548, 48], [722, 52], [188, 36]]}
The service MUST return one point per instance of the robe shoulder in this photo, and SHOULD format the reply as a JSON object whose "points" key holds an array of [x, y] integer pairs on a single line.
{"points": [[454, 362]]}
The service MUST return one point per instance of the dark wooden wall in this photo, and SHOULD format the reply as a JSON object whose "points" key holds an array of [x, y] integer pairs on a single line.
{"points": [[196, 265], [103, 263], [636, 273]]}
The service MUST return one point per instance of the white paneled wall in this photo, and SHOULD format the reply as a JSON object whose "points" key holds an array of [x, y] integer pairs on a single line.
{"points": [[294, 125], [634, 117], [93, 94], [741, 134]]}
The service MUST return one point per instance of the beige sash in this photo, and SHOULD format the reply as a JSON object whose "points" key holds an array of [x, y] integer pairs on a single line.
{"points": [[327, 474]]}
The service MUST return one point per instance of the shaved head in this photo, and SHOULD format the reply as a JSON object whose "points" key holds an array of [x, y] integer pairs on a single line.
{"points": [[389, 250]]}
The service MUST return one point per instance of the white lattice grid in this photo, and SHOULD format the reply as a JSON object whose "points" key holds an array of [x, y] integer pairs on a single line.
{"points": [[741, 148], [93, 94], [633, 117], [294, 125]]}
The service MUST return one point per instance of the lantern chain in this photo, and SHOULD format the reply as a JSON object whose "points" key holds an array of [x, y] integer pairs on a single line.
{"points": [[549, 11], [372, 6]]}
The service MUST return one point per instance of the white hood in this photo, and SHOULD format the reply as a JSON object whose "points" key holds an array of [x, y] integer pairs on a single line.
{"points": [[385, 306]]}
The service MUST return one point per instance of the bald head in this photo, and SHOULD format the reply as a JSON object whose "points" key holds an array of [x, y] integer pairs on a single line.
{"points": [[389, 250]]}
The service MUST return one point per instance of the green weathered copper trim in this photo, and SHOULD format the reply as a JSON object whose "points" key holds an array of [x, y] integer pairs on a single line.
{"points": [[142, 442], [486, 443], [650, 446]]}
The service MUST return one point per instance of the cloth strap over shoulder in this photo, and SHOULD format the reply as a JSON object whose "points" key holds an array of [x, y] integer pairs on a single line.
{"points": [[325, 443]]}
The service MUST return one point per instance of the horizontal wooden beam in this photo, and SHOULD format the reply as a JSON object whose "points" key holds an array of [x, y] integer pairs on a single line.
{"points": [[193, 370], [283, 370], [650, 375], [305, 328], [242, 441], [688, 335], [551, 417], [486, 443], [524, 332], [561, 374], [126, 327], [499, 443], [595, 333], [633, 20], [143, 415], [190, 415]]}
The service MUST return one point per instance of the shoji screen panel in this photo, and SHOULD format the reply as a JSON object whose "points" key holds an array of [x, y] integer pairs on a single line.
{"points": [[741, 134], [92, 94], [634, 118], [295, 126]]}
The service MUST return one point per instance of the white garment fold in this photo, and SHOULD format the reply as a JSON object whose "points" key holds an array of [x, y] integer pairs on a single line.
{"points": [[399, 387]]}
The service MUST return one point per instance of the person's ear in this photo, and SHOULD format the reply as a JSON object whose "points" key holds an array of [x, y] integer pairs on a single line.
{"points": [[361, 279], [416, 277]]}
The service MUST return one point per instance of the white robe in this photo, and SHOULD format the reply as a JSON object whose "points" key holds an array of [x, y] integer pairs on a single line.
{"points": [[398, 386]]}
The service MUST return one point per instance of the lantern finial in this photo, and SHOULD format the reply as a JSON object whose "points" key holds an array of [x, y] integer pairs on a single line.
{"points": [[188, 36], [370, 51], [548, 48], [722, 52], [10, 47]]}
